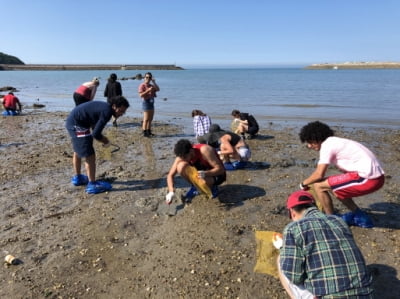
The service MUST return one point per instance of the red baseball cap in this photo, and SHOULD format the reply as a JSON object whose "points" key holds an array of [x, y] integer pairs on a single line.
{"points": [[299, 197]]}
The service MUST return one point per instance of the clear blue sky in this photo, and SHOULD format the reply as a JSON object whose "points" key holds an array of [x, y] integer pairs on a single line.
{"points": [[187, 33]]}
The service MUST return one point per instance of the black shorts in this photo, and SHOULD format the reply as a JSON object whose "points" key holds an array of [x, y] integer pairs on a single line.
{"points": [[79, 99], [252, 130], [219, 179]]}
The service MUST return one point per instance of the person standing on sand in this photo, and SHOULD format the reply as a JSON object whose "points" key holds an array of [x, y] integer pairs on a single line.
{"points": [[204, 158], [361, 171], [86, 92], [147, 91], [318, 256], [85, 123], [113, 88]]}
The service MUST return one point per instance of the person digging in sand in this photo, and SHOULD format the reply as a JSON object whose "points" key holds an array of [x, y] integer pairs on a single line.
{"points": [[85, 123], [204, 158], [319, 257], [361, 171]]}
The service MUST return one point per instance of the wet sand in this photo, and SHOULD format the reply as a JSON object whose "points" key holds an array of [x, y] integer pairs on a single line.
{"points": [[126, 244]]}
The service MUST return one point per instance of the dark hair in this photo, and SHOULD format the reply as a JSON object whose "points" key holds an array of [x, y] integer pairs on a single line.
{"points": [[301, 207], [235, 113], [198, 112], [119, 101], [148, 73], [315, 132], [182, 148], [113, 77]]}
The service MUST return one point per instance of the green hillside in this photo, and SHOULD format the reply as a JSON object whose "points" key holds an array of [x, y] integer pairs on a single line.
{"points": [[8, 59]]}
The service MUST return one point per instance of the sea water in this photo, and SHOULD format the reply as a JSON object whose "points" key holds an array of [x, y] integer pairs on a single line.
{"points": [[291, 96]]}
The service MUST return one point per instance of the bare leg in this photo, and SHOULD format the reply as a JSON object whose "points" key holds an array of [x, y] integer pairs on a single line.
{"points": [[350, 204], [90, 165], [77, 163], [321, 190], [145, 122], [150, 119]]}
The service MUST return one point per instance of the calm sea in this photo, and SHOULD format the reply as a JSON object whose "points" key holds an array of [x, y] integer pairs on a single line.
{"points": [[290, 96]]}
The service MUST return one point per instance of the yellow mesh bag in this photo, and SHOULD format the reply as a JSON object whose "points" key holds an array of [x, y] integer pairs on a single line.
{"points": [[199, 183], [266, 254]]}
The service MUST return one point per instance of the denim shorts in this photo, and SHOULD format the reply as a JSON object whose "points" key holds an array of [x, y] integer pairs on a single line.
{"points": [[148, 105]]}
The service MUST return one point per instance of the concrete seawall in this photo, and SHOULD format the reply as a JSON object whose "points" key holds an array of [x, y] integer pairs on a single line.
{"points": [[74, 67], [355, 65]]}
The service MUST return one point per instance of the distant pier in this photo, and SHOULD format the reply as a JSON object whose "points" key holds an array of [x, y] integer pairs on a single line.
{"points": [[355, 65], [75, 67]]}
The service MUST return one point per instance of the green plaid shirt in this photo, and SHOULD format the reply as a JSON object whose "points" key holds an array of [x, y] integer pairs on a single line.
{"points": [[319, 252]]}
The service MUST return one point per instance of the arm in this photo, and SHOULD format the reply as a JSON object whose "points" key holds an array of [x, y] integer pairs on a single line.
{"points": [[93, 90], [103, 119], [144, 91], [292, 261], [106, 91], [171, 174], [19, 106], [211, 157], [226, 147], [157, 88], [119, 89], [317, 175]]}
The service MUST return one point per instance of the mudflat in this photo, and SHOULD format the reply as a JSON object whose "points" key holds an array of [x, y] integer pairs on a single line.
{"points": [[128, 243]]}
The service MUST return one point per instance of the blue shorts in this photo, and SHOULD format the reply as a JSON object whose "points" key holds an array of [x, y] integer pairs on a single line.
{"points": [[148, 105], [81, 143]]}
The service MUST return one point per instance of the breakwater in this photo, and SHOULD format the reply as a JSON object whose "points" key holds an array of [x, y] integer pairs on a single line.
{"points": [[76, 67], [355, 65]]}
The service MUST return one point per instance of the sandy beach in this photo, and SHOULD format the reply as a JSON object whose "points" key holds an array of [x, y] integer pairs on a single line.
{"points": [[128, 244]]}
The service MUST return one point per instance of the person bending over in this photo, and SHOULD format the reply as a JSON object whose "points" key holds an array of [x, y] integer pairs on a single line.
{"points": [[204, 158], [86, 92], [319, 257], [361, 171], [85, 123], [233, 150], [246, 124], [11, 104], [201, 123]]}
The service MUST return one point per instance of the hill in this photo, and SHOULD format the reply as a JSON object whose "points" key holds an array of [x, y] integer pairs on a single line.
{"points": [[8, 59]]}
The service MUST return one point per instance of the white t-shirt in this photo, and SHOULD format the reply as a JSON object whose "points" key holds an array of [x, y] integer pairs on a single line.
{"points": [[350, 156]]}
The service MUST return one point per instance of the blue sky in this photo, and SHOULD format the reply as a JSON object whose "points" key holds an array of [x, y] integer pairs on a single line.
{"points": [[190, 33]]}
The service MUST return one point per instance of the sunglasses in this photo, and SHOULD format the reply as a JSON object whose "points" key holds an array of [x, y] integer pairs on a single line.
{"points": [[147, 77]]}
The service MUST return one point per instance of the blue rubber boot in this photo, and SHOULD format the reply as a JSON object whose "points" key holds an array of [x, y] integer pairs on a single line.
{"points": [[361, 219], [98, 187], [191, 193], [79, 180]]}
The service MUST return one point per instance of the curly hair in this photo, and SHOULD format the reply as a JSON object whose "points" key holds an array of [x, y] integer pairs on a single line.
{"points": [[182, 148], [315, 132]]}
